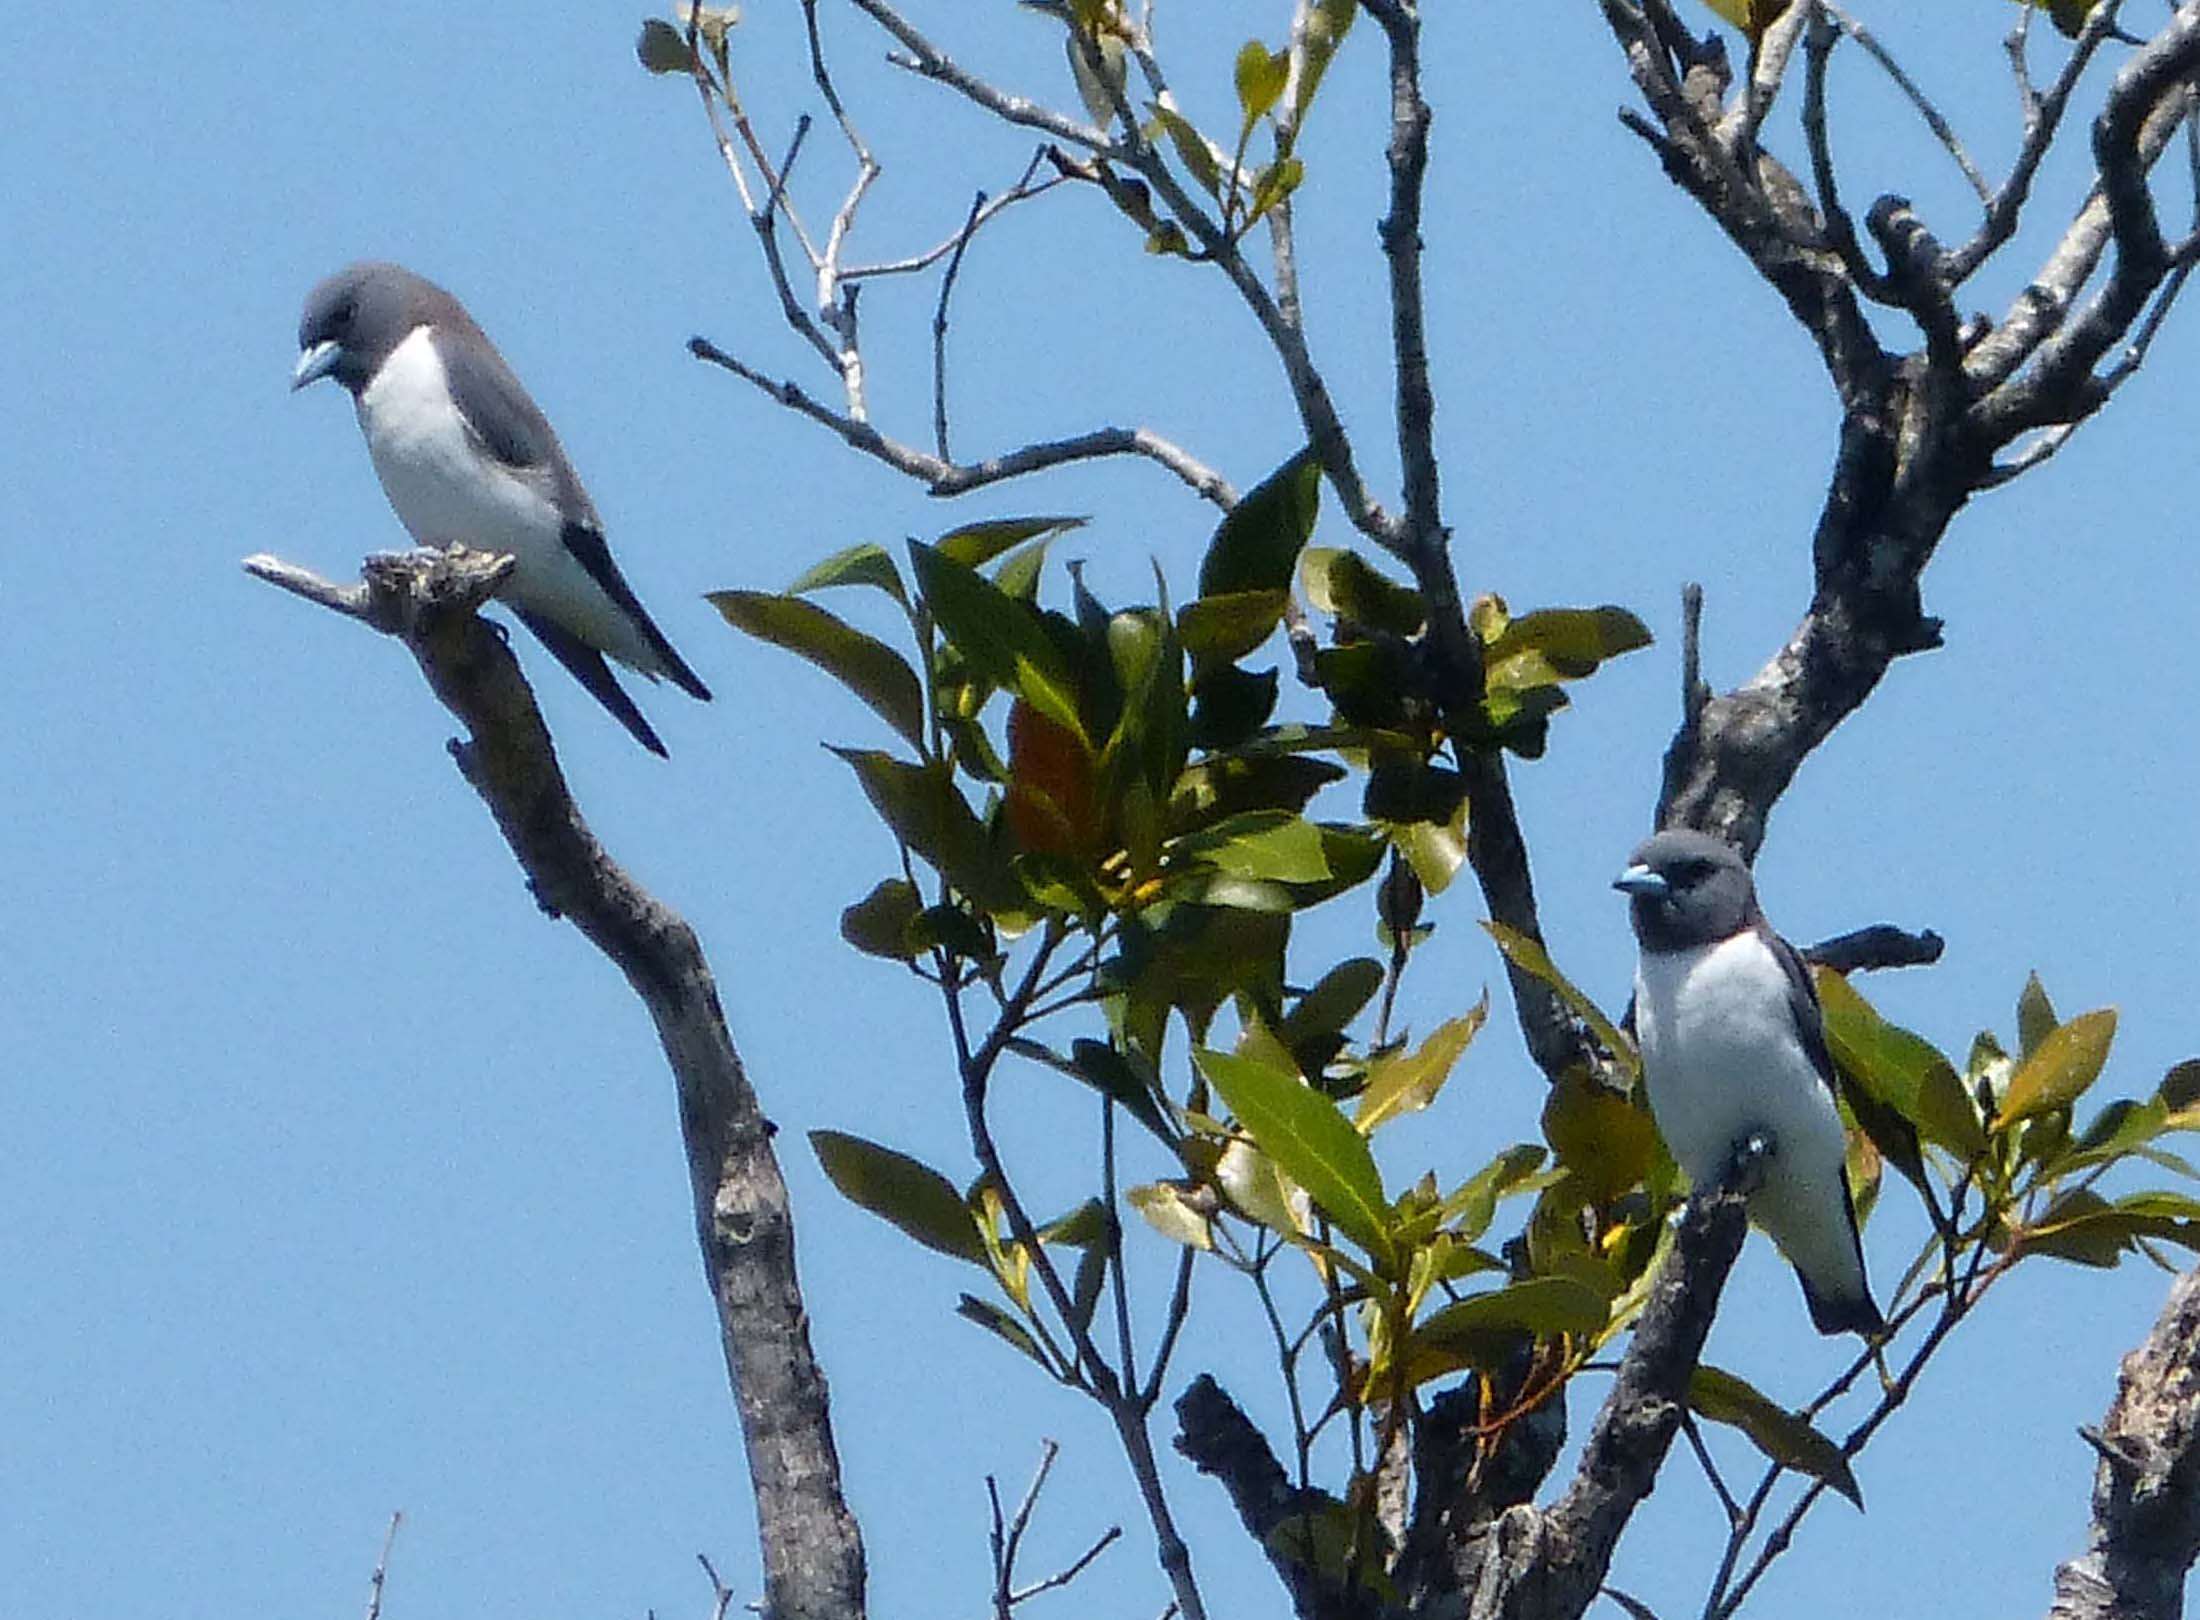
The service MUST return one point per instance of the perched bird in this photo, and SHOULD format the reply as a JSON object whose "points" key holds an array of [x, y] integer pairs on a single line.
{"points": [[467, 458], [1734, 1050]]}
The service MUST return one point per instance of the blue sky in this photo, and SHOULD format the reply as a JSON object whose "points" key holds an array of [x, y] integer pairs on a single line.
{"points": [[339, 1181]]}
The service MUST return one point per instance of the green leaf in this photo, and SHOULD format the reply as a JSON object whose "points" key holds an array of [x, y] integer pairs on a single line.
{"points": [[907, 1192], [663, 48], [1402, 1083], [865, 665], [1561, 644], [1002, 1326], [1272, 185], [2180, 1089], [2059, 1066], [1345, 585], [1229, 705], [1311, 1142], [1543, 1306], [976, 544], [1019, 576], [1434, 850], [1328, 21], [1604, 1139], [1470, 1209], [1191, 147], [1223, 629], [925, 811], [1483, 1330], [2035, 1016], [1897, 1069], [1168, 1209], [2080, 1227], [1531, 958], [1337, 998], [1257, 545], [1112, 1074], [1251, 1181], [878, 924], [1785, 1437], [1271, 844], [1261, 75], [1002, 638], [860, 564]]}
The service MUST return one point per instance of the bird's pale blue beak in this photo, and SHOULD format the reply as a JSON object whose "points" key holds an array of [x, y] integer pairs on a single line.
{"points": [[315, 363], [1640, 879]]}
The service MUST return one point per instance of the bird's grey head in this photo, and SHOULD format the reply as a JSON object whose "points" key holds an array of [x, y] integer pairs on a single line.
{"points": [[1689, 889], [356, 317]]}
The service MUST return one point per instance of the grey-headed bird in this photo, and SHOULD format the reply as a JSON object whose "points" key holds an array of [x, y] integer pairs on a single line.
{"points": [[467, 458], [1734, 1048]]}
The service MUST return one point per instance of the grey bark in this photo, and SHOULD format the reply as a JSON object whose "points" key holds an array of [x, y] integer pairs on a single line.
{"points": [[812, 1550]]}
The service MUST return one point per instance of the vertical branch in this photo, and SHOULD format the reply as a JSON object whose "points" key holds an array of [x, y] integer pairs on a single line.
{"points": [[939, 328]]}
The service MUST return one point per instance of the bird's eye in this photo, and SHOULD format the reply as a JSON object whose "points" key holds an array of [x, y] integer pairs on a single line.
{"points": [[1694, 871]]}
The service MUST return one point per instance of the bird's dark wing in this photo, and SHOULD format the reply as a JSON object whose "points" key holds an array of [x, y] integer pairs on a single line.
{"points": [[505, 420], [1810, 1019], [587, 544], [1859, 1315], [588, 667]]}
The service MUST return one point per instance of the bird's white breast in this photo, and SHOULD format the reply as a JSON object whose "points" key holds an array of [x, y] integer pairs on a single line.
{"points": [[1722, 1058], [448, 490], [445, 488]]}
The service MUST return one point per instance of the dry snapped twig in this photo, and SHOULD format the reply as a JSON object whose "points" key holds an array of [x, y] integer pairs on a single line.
{"points": [[382, 1568], [812, 1551]]}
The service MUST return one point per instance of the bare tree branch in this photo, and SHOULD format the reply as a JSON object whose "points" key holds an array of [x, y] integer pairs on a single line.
{"points": [[2146, 1488], [812, 1551], [959, 478]]}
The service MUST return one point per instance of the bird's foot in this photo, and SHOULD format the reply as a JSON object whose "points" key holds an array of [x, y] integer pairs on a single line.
{"points": [[1752, 1161]]}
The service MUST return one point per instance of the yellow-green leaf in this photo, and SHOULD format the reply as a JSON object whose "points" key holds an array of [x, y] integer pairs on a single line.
{"points": [[1531, 958], [2059, 1067], [2036, 1018], [1169, 1210], [1003, 1327], [1403, 1083], [1192, 147], [1261, 75]]}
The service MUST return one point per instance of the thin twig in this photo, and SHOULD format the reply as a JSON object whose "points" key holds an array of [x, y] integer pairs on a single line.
{"points": [[1942, 130], [1077, 1567], [946, 478], [721, 1595], [939, 326], [382, 1567]]}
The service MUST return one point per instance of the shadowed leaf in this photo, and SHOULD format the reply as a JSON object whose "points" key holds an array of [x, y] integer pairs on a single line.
{"points": [[907, 1192], [878, 924], [865, 665], [860, 564], [1781, 1435], [1256, 546], [976, 544]]}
